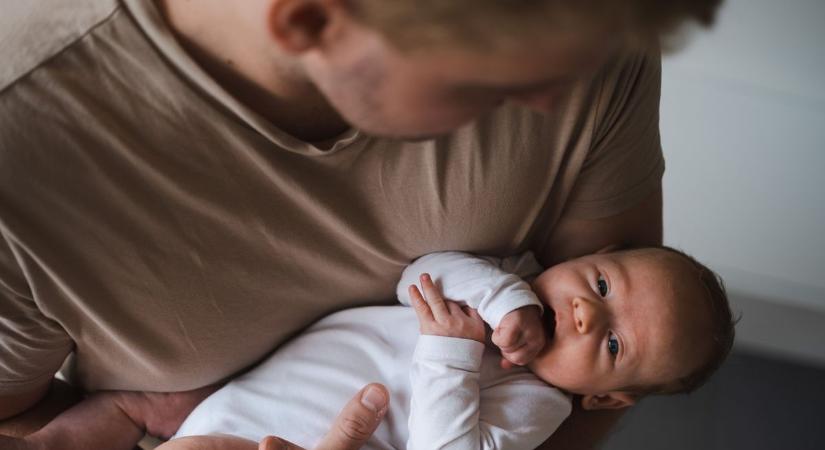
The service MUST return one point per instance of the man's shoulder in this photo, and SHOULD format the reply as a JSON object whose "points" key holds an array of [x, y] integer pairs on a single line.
{"points": [[33, 31]]}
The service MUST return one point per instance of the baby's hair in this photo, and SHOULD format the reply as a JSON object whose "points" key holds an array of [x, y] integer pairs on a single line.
{"points": [[721, 327]]}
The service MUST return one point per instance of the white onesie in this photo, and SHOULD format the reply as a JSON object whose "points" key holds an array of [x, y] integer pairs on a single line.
{"points": [[445, 393]]}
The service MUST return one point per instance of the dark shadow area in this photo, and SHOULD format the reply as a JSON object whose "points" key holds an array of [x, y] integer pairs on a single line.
{"points": [[752, 403]]}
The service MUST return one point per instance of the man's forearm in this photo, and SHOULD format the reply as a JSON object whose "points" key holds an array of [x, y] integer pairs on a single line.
{"points": [[97, 422], [59, 397]]}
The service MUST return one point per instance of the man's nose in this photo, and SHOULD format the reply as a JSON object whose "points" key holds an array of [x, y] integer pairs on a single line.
{"points": [[587, 315]]}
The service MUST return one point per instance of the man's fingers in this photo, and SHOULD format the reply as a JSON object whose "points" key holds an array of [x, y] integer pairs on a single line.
{"points": [[358, 420], [433, 297]]}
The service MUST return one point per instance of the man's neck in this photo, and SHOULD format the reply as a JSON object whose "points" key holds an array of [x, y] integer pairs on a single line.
{"points": [[233, 46]]}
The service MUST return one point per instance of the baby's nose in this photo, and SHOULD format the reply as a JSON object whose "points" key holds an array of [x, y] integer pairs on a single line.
{"points": [[587, 315]]}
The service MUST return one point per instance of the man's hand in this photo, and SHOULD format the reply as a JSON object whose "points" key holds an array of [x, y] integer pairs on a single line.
{"points": [[520, 336], [440, 317], [353, 427]]}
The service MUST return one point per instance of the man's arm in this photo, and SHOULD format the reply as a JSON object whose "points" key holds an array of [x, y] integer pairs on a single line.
{"points": [[640, 225], [112, 420], [12, 405], [23, 414]]}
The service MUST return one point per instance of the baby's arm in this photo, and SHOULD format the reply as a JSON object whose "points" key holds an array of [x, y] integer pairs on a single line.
{"points": [[448, 411], [480, 282], [503, 299]]}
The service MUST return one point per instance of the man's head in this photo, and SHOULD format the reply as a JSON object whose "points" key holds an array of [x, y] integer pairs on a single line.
{"points": [[486, 24], [421, 68], [631, 323]]}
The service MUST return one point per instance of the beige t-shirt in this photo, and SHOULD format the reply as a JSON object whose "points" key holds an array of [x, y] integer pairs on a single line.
{"points": [[171, 237]]}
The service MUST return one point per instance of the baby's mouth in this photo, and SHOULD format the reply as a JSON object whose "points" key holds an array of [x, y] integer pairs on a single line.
{"points": [[550, 321]]}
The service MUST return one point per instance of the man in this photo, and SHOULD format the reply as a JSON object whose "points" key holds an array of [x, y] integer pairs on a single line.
{"points": [[184, 185]]}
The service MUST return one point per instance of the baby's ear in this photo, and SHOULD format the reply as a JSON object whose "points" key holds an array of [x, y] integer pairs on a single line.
{"points": [[611, 400]]}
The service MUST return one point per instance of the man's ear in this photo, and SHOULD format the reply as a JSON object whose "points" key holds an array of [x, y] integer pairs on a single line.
{"points": [[298, 25], [611, 400]]}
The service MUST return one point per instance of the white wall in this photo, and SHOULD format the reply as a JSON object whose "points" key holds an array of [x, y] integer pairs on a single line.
{"points": [[743, 127]]}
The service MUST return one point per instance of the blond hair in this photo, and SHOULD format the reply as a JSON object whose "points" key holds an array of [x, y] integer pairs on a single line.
{"points": [[420, 23]]}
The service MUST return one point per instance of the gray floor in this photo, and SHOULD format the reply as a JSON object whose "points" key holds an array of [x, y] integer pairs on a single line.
{"points": [[753, 403]]}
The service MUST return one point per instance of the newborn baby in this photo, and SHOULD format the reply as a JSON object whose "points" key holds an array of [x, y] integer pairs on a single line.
{"points": [[610, 328]]}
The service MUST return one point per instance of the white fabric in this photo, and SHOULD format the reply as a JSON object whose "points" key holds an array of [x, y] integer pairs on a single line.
{"points": [[493, 286], [452, 390]]}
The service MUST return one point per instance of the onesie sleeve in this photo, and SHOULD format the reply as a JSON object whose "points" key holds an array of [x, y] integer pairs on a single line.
{"points": [[32, 347], [450, 411], [480, 282]]}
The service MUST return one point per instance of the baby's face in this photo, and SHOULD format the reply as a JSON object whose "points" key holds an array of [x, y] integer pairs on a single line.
{"points": [[622, 320]]}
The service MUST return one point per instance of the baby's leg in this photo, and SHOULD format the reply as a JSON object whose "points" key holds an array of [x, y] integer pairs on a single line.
{"points": [[212, 442]]}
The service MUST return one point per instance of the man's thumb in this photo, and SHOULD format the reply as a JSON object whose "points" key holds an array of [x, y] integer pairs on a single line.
{"points": [[358, 420]]}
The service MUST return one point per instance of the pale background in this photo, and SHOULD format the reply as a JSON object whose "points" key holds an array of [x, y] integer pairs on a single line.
{"points": [[743, 128]]}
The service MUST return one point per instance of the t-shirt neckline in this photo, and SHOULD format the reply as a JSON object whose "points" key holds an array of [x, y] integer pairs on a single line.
{"points": [[152, 23]]}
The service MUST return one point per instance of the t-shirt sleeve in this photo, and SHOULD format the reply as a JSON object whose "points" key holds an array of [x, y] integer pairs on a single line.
{"points": [[625, 163], [32, 347]]}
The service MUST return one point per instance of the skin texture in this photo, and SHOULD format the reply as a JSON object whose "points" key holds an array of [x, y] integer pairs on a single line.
{"points": [[313, 71]]}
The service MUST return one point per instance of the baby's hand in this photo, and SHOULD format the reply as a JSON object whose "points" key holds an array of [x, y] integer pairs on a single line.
{"points": [[440, 317], [520, 336]]}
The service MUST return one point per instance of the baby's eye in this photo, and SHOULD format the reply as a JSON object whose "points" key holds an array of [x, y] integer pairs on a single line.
{"points": [[612, 344], [602, 285]]}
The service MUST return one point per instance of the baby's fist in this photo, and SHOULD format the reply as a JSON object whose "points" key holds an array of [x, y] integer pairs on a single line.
{"points": [[520, 336]]}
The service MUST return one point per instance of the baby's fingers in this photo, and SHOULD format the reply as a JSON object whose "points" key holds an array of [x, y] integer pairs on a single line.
{"points": [[422, 309], [519, 357], [433, 297], [508, 339], [524, 354]]}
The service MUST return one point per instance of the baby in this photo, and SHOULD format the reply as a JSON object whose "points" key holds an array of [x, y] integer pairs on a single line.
{"points": [[610, 327]]}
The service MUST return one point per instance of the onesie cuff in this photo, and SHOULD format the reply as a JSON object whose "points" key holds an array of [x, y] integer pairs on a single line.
{"points": [[501, 307], [464, 354]]}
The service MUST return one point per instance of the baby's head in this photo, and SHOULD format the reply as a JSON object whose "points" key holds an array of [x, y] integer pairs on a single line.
{"points": [[631, 323]]}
